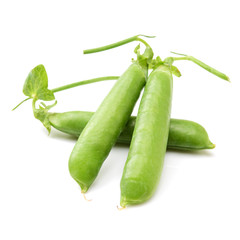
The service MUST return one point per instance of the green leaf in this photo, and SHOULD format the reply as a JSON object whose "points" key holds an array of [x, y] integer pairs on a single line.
{"points": [[148, 53], [45, 94], [169, 60], [42, 114], [137, 49], [158, 59], [175, 71], [155, 63], [36, 84], [141, 59]]}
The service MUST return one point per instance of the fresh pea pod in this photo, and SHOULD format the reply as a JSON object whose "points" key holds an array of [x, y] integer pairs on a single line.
{"points": [[149, 142], [103, 129], [188, 135], [144, 164], [183, 134]]}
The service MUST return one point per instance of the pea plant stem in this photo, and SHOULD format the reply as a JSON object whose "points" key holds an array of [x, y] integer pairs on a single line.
{"points": [[21, 103], [84, 82], [117, 44], [202, 64], [76, 84]]}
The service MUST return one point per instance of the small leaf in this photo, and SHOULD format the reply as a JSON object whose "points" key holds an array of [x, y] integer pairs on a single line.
{"points": [[169, 60], [42, 114], [36, 84], [175, 71], [45, 94], [155, 63], [140, 58], [158, 59], [137, 49], [148, 53]]}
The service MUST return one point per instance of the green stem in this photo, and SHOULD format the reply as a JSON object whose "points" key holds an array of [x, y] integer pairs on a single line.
{"points": [[203, 65], [117, 44], [84, 82], [21, 103], [34, 103], [72, 85]]}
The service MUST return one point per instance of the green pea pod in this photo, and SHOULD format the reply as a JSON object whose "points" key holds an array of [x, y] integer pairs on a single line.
{"points": [[103, 129], [188, 135], [183, 134], [147, 150]]}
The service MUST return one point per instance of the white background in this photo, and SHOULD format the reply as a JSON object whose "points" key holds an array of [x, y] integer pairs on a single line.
{"points": [[199, 193]]}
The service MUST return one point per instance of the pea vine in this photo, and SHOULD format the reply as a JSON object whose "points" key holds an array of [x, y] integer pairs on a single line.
{"points": [[36, 84]]}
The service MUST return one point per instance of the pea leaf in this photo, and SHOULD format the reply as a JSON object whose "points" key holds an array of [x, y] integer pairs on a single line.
{"points": [[175, 71], [143, 59], [169, 60], [36, 84], [42, 114], [155, 63], [137, 49]]}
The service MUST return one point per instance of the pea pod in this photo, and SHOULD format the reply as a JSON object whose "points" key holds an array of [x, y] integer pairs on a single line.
{"points": [[147, 150], [183, 134], [103, 129], [144, 164]]}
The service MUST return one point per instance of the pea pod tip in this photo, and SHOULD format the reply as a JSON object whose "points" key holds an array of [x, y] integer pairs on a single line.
{"points": [[213, 146], [121, 208], [85, 198]]}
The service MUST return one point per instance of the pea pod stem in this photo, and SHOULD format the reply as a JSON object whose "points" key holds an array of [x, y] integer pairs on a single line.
{"points": [[201, 64], [119, 43]]}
